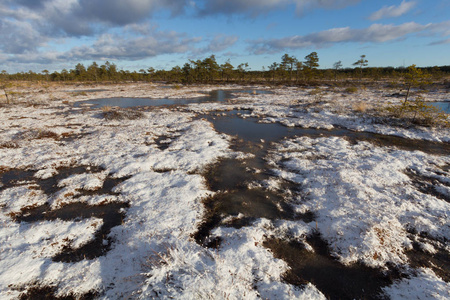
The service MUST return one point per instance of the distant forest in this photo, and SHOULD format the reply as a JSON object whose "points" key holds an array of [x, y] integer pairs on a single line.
{"points": [[289, 70]]}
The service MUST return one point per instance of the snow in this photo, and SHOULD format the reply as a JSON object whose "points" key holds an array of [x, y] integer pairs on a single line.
{"points": [[24, 196], [364, 202], [362, 197], [424, 285], [28, 248]]}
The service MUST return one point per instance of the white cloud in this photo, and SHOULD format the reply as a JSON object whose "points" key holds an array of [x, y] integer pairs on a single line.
{"points": [[121, 12], [376, 33], [220, 43], [256, 7], [304, 5], [117, 47], [393, 11], [19, 37]]}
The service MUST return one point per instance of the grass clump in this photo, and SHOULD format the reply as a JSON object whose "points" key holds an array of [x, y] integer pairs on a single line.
{"points": [[351, 90], [360, 107], [317, 93]]}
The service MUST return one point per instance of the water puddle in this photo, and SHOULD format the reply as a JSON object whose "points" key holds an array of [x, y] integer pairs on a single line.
{"points": [[242, 197], [249, 129], [112, 213], [443, 105], [214, 96], [333, 279]]}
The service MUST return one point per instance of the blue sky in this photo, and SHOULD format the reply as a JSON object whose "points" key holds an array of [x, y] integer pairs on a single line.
{"points": [[137, 34]]}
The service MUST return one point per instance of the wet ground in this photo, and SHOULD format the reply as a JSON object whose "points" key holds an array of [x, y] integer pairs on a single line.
{"points": [[241, 192], [241, 198], [333, 279], [38, 292], [111, 213], [249, 129]]}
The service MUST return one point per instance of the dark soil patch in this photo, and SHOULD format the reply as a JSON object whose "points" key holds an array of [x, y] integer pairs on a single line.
{"points": [[333, 279], [122, 115], [163, 142], [37, 292], [36, 134], [427, 184], [13, 177], [9, 145], [111, 213], [439, 262], [230, 179]]}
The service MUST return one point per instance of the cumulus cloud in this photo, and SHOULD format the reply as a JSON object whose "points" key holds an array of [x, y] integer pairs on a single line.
{"points": [[121, 12], [304, 5], [220, 43], [82, 17], [27, 25], [19, 37], [256, 7], [376, 33], [392, 11], [117, 47]]}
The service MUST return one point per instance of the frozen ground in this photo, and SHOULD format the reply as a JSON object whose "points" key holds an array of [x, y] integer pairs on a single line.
{"points": [[381, 207]]}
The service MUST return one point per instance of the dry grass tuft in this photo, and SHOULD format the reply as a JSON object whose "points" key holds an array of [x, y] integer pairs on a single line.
{"points": [[360, 107], [351, 90], [107, 108]]}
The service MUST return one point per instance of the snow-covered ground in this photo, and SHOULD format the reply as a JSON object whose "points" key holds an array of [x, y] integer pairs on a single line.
{"points": [[366, 200]]}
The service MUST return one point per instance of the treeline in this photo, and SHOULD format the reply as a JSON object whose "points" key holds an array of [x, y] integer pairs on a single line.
{"points": [[289, 70]]}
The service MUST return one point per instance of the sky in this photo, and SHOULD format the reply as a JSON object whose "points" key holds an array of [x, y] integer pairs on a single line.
{"points": [[53, 35]]}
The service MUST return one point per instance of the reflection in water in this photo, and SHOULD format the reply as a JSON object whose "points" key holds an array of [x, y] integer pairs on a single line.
{"points": [[240, 199], [250, 130], [333, 279], [124, 102], [444, 106]]}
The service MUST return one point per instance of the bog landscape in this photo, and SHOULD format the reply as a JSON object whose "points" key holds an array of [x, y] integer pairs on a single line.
{"points": [[211, 183]]}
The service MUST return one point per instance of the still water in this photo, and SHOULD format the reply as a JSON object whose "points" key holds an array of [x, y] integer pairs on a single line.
{"points": [[444, 106], [214, 96]]}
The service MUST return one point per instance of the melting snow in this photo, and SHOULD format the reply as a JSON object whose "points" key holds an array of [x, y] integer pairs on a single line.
{"points": [[364, 201]]}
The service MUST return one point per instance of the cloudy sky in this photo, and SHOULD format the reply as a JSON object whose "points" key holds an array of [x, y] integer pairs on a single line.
{"points": [[136, 34]]}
